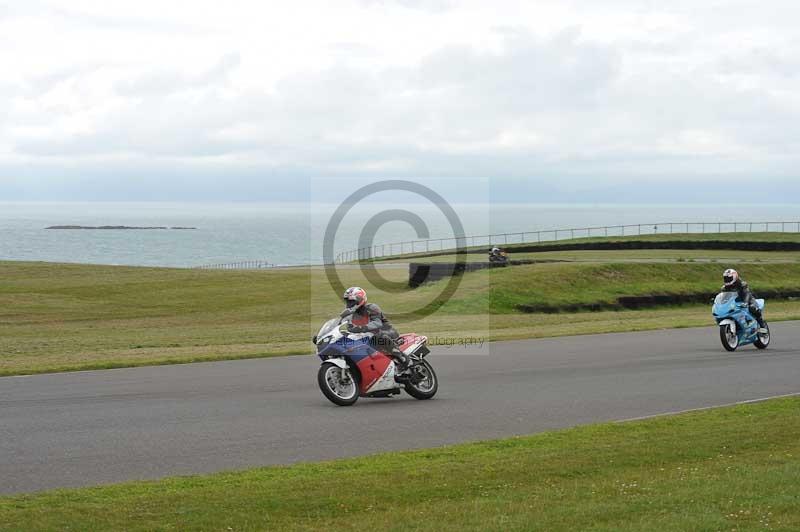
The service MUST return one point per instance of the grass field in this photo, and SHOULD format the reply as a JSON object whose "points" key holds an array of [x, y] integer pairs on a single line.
{"points": [[64, 317], [733, 468]]}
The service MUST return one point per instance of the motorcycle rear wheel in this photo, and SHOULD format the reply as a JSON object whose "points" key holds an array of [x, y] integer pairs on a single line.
{"points": [[339, 385], [729, 339], [763, 339]]}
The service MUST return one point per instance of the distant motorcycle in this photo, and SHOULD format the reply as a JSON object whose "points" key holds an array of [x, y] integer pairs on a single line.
{"points": [[737, 327], [497, 257], [352, 367]]}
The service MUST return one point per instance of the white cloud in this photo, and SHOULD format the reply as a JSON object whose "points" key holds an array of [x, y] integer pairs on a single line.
{"points": [[584, 91]]}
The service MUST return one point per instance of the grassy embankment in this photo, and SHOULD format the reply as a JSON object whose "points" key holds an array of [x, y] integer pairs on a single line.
{"points": [[478, 253], [724, 469], [64, 317], [716, 256]]}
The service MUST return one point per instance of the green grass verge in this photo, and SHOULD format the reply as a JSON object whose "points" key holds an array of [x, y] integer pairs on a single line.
{"points": [[734, 468], [56, 317], [568, 284]]}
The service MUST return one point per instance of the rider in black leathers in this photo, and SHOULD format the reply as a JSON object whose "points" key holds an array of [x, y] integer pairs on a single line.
{"points": [[734, 283]]}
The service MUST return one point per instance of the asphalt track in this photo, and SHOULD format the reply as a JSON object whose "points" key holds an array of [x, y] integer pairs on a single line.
{"points": [[86, 428]]}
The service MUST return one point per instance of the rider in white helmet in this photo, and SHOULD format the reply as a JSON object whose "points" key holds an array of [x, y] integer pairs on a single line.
{"points": [[734, 283]]}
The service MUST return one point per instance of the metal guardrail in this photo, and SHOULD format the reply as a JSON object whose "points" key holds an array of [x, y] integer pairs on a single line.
{"points": [[552, 235], [242, 265]]}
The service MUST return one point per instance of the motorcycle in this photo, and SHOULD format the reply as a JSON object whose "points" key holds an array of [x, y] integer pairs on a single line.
{"points": [[737, 326], [498, 259], [352, 367]]}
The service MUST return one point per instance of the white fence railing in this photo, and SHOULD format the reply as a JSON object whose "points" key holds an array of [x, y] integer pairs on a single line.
{"points": [[551, 235], [241, 265]]}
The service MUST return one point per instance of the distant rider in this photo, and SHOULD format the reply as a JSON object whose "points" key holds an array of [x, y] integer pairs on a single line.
{"points": [[369, 318], [497, 255], [734, 283]]}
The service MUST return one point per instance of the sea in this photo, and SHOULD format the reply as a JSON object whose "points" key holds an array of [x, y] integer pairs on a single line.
{"points": [[294, 233]]}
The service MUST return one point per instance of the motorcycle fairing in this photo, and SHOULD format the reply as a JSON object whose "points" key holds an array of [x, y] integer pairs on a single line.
{"points": [[408, 343], [727, 310], [377, 370], [377, 373], [353, 348]]}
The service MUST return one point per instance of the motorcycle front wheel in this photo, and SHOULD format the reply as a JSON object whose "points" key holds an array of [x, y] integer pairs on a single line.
{"points": [[728, 337], [338, 384], [424, 383]]}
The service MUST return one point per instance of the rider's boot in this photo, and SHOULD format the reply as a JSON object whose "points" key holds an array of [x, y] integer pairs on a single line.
{"points": [[762, 323], [400, 359]]}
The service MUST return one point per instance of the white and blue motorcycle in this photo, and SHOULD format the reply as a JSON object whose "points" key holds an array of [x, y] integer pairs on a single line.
{"points": [[737, 326]]}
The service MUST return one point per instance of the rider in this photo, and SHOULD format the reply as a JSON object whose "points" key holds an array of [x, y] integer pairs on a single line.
{"points": [[496, 254], [368, 318], [734, 283]]}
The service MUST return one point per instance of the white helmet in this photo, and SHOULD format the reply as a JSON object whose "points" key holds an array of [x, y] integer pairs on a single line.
{"points": [[495, 250], [730, 277], [355, 297]]}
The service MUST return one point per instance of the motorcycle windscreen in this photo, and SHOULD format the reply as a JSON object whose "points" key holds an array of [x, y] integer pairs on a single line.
{"points": [[328, 327], [725, 298]]}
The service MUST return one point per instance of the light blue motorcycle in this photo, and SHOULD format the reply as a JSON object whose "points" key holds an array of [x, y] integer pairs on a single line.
{"points": [[737, 327]]}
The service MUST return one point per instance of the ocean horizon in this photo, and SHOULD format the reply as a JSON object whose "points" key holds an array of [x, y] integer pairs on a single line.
{"points": [[293, 233]]}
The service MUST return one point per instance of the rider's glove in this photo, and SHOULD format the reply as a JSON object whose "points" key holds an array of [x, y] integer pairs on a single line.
{"points": [[355, 328]]}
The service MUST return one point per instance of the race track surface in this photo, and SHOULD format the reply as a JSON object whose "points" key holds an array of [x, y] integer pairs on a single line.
{"points": [[77, 429]]}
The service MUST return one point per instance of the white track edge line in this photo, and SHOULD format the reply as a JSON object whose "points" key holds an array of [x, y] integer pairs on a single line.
{"points": [[700, 409]]}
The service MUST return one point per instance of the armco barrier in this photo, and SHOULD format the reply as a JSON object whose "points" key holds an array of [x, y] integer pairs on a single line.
{"points": [[419, 273]]}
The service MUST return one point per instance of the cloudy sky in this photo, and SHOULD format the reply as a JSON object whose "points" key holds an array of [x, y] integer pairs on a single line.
{"points": [[555, 99]]}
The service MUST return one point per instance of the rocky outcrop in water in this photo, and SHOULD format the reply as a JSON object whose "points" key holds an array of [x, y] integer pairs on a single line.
{"points": [[127, 227]]}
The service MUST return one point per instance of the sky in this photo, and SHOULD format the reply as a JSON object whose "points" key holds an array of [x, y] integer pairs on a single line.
{"points": [[567, 100]]}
